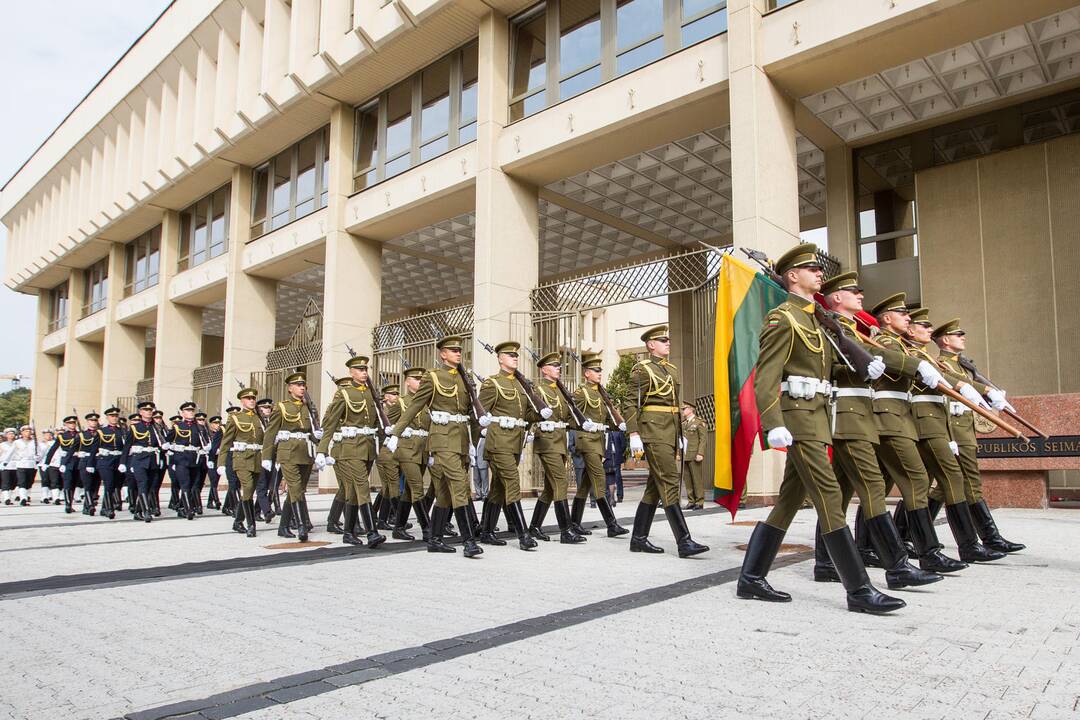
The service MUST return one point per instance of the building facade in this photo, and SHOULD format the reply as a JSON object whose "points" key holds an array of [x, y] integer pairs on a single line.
{"points": [[259, 185]]}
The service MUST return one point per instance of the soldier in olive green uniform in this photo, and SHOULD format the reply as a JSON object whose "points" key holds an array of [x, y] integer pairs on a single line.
{"points": [[443, 393], [411, 456], [389, 473], [550, 446], [951, 341], [287, 441], [651, 409], [694, 443], [589, 443], [352, 422], [855, 436], [937, 447], [508, 414], [241, 447], [792, 387]]}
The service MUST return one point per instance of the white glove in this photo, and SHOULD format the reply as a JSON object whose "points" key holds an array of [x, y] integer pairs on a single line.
{"points": [[91, 469], [929, 374], [485, 420], [330, 461], [483, 432], [122, 467], [636, 446], [267, 465], [406, 433], [622, 426], [209, 464], [277, 466], [545, 413], [876, 368], [779, 437], [472, 452], [63, 468], [998, 401], [320, 461], [954, 447], [590, 426], [317, 433], [430, 460], [389, 429], [391, 443], [221, 471], [546, 426], [972, 395]]}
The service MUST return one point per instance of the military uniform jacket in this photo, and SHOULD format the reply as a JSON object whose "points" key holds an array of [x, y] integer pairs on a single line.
{"points": [[64, 445], [387, 458], [140, 434], [184, 434], [412, 449], [502, 396], [553, 442], [111, 439], [932, 418], [961, 424], [651, 408], [86, 446], [695, 432], [290, 416], [351, 407], [242, 429], [854, 414], [588, 400], [894, 416], [442, 393], [792, 344]]}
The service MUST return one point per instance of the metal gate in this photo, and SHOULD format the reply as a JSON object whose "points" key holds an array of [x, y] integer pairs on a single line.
{"points": [[412, 340], [206, 388], [302, 352]]}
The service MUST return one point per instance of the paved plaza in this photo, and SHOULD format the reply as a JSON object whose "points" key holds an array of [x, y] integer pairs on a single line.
{"points": [[187, 619]]}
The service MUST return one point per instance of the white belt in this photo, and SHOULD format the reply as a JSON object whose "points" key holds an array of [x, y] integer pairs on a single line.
{"points": [[81, 454], [108, 453], [441, 417], [936, 399], [551, 426], [284, 435], [351, 431], [507, 423], [892, 395], [183, 448], [956, 408], [805, 388], [410, 432], [854, 392], [242, 446], [137, 449]]}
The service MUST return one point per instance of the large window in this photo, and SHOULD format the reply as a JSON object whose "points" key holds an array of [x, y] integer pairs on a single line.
{"points": [[418, 119], [291, 185], [142, 262], [564, 47], [204, 229], [58, 307], [96, 289]]}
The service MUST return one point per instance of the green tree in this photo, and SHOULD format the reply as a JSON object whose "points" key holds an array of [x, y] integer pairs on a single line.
{"points": [[14, 408], [618, 384]]}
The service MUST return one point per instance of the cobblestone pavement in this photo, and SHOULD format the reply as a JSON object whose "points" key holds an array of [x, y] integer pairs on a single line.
{"points": [[224, 626]]}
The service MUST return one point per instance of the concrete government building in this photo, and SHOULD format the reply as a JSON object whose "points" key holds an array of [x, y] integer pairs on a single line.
{"points": [[257, 184]]}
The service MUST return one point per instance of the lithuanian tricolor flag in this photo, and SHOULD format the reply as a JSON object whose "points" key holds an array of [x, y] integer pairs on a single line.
{"points": [[743, 298]]}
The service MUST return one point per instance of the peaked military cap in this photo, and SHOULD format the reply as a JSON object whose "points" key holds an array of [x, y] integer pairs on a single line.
{"points": [[146, 405], [9, 430], [343, 382], [189, 405], [451, 342], [591, 361], [920, 315], [552, 358], [159, 413], [111, 411], [247, 392], [200, 415], [231, 409], [91, 416], [688, 404], [297, 378], [214, 419], [655, 333], [132, 416], [508, 346], [802, 255], [416, 372], [893, 303], [391, 389], [175, 419], [71, 418], [843, 281], [951, 327], [265, 402], [357, 361]]}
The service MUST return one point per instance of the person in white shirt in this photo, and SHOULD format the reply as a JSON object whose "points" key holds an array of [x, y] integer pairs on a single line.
{"points": [[24, 458], [7, 468], [51, 483]]}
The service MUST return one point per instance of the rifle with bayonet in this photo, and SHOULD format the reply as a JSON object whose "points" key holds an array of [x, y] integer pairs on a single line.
{"points": [[526, 385], [969, 365], [579, 417]]}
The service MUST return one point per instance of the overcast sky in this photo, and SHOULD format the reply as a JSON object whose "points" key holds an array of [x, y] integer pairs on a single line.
{"points": [[52, 53]]}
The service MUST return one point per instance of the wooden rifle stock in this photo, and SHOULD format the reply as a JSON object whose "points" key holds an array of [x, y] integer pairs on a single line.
{"points": [[969, 365], [616, 416]]}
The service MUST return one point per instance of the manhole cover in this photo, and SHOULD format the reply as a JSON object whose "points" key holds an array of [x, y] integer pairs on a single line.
{"points": [[784, 548], [296, 545]]}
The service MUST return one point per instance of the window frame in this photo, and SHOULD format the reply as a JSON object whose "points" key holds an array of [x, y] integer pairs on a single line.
{"points": [[59, 306], [142, 248], [184, 257], [95, 276], [260, 225]]}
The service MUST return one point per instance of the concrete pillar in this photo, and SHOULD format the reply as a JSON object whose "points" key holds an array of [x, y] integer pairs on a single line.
{"points": [[46, 369], [507, 254], [250, 301], [843, 225], [764, 176], [179, 329], [124, 350], [82, 360]]}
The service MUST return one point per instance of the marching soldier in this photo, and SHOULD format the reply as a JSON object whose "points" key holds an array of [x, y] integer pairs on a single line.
{"points": [[88, 440], [694, 444], [411, 456], [937, 448], [106, 458], [241, 448], [338, 504], [142, 443], [952, 341], [203, 462], [287, 441], [549, 444], [184, 443], [23, 459], [213, 426], [52, 485], [388, 468], [8, 476], [651, 409], [855, 437], [443, 393], [792, 389], [130, 483], [589, 444], [507, 413], [65, 447], [352, 422]]}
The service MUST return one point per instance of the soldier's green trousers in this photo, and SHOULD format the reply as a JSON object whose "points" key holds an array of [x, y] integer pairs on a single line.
{"points": [[353, 476], [693, 473], [944, 468], [414, 481], [295, 477], [856, 466], [247, 479], [593, 477], [969, 465], [808, 474], [555, 478], [903, 467], [505, 478], [388, 476], [663, 482], [450, 479]]}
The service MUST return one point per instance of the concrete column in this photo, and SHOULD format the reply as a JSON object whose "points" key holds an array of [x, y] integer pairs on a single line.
{"points": [[507, 254], [82, 360], [250, 301], [124, 351], [179, 328], [46, 370], [843, 227], [764, 176]]}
